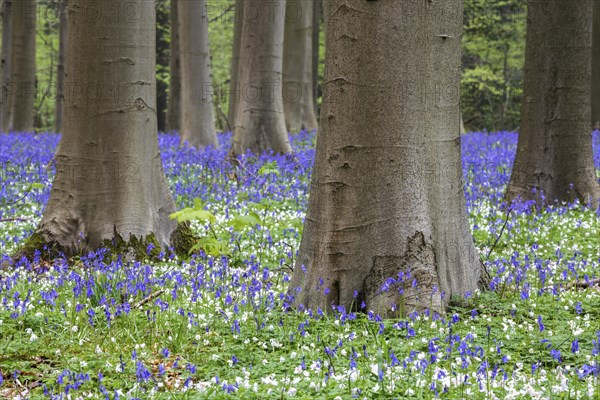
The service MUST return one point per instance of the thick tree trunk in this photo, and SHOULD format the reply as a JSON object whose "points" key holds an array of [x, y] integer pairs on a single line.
{"points": [[7, 11], [596, 67], [197, 113], [23, 65], [386, 205], [110, 181], [60, 68], [174, 100], [234, 89], [554, 153], [259, 121], [298, 95]]}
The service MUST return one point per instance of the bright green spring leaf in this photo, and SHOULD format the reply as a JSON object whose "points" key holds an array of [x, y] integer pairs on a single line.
{"points": [[242, 221]]}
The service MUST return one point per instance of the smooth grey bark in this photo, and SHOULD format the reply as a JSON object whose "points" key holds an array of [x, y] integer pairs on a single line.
{"points": [[60, 67], [316, 42], [174, 99], [7, 11], [386, 197], [554, 152], [298, 94], [109, 181], [197, 113], [596, 67], [259, 121], [23, 66], [234, 89]]}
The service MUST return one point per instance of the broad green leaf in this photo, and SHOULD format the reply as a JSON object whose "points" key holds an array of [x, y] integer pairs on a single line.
{"points": [[242, 221], [211, 246], [191, 214]]}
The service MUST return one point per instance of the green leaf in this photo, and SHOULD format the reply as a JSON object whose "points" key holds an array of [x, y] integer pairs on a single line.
{"points": [[211, 246], [243, 221], [269, 168], [192, 214]]}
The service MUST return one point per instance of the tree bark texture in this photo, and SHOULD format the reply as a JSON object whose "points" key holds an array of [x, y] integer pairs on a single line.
{"points": [[596, 67], [386, 221], [298, 93], [7, 11], [554, 153], [234, 90], [22, 82], [197, 112], [174, 100], [316, 54], [60, 67], [260, 121]]}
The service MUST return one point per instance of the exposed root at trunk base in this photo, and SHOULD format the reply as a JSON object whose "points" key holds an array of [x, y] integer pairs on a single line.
{"points": [[389, 288], [37, 242], [182, 239]]}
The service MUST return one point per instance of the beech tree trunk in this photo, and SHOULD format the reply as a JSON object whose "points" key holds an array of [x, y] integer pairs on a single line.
{"points": [[109, 185], [7, 11], [554, 153], [596, 67], [259, 121], [386, 221], [298, 95], [197, 113], [234, 89], [174, 99], [23, 65], [60, 68]]}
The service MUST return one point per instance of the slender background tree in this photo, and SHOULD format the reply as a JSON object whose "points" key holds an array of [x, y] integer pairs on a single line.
{"points": [[7, 12], [386, 198], [260, 121], [298, 97], [554, 153], [174, 98], [22, 81], [60, 66], [162, 62], [234, 89], [197, 113]]}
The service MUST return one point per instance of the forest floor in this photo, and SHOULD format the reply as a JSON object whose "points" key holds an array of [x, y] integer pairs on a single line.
{"points": [[215, 326]]}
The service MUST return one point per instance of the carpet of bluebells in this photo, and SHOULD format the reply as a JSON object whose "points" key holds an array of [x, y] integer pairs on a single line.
{"points": [[217, 326]]}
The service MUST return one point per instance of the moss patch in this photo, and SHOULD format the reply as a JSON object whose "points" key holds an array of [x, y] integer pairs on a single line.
{"points": [[48, 249], [139, 248], [183, 239]]}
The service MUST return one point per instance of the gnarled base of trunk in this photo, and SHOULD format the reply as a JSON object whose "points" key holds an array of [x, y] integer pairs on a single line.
{"points": [[182, 240], [394, 287]]}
